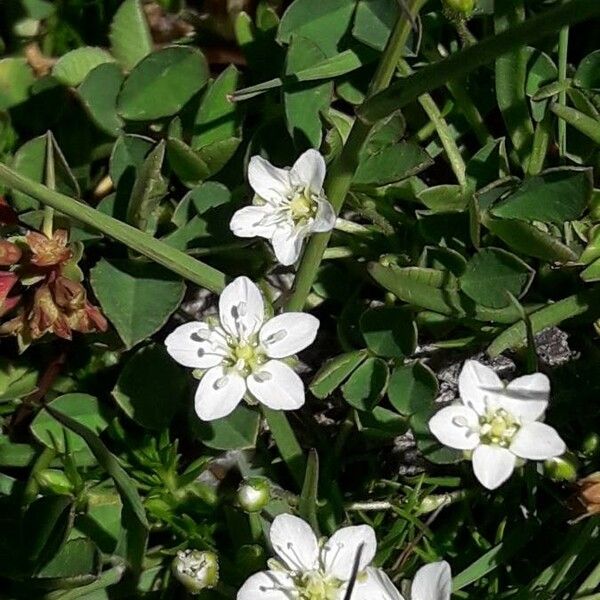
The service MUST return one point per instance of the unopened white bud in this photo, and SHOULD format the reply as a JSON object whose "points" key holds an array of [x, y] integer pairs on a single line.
{"points": [[196, 570], [254, 494]]}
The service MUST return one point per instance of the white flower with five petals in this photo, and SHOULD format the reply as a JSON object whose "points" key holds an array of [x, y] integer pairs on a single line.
{"points": [[500, 424], [239, 353], [289, 205]]}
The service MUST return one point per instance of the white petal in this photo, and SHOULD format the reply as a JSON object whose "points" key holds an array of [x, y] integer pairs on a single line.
{"points": [[288, 333], [376, 586], [456, 427], [432, 582], [526, 411], [277, 386], [287, 244], [309, 170], [252, 221], [325, 217], [477, 384], [267, 585], [269, 182], [241, 308], [527, 397], [192, 351], [340, 551], [218, 393], [294, 542], [537, 441], [493, 465]]}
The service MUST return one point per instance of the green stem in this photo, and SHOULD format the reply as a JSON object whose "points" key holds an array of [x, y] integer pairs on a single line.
{"points": [[433, 112], [174, 260], [344, 167], [563, 51], [459, 64], [286, 441], [50, 178]]}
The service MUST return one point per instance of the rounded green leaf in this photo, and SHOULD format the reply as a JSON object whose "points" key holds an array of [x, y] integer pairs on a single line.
{"points": [[493, 272], [412, 388], [136, 296], [238, 430], [99, 92], [73, 67], [389, 331], [334, 372], [128, 155], [84, 409], [130, 37], [588, 72], [162, 83], [366, 386], [16, 77], [151, 387]]}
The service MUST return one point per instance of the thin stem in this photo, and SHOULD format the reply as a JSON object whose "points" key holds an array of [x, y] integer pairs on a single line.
{"points": [[435, 116], [344, 167], [171, 258], [563, 51], [50, 179]]}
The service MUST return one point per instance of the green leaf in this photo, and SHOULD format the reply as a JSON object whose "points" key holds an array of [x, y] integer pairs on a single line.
{"points": [[389, 331], [73, 67], [391, 164], [16, 455], [444, 198], [487, 165], [216, 155], [492, 274], [77, 563], [334, 372], [309, 496], [187, 164], [412, 388], [102, 519], [587, 75], [30, 161], [304, 102], [137, 297], [218, 117], [366, 386], [151, 387], [134, 522], [555, 196], [208, 195], [238, 430], [46, 525], [323, 23], [149, 189], [162, 83], [128, 155], [130, 37], [16, 78], [381, 423], [374, 21], [84, 409], [99, 92]]}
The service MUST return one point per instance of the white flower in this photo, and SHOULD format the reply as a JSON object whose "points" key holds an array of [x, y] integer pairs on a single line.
{"points": [[498, 423], [309, 570], [432, 582], [289, 205], [240, 353]]}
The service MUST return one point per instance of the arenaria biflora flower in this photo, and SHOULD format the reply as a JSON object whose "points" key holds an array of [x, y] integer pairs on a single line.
{"points": [[289, 205], [309, 569], [239, 352], [500, 424]]}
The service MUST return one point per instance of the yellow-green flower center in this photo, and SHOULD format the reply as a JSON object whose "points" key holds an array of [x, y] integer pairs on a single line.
{"points": [[246, 357], [303, 205], [315, 585], [498, 427]]}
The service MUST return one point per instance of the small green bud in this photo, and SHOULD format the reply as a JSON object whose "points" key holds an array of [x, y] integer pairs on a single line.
{"points": [[562, 468], [254, 494], [464, 7], [591, 444], [196, 570], [250, 558], [54, 481]]}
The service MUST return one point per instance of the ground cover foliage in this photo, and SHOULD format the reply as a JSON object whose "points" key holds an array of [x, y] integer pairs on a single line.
{"points": [[457, 143]]}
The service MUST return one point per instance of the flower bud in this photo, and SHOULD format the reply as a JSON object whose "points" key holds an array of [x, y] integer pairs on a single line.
{"points": [[586, 501], [10, 254], [463, 7], [562, 468], [591, 444], [54, 481], [254, 494], [196, 570]]}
